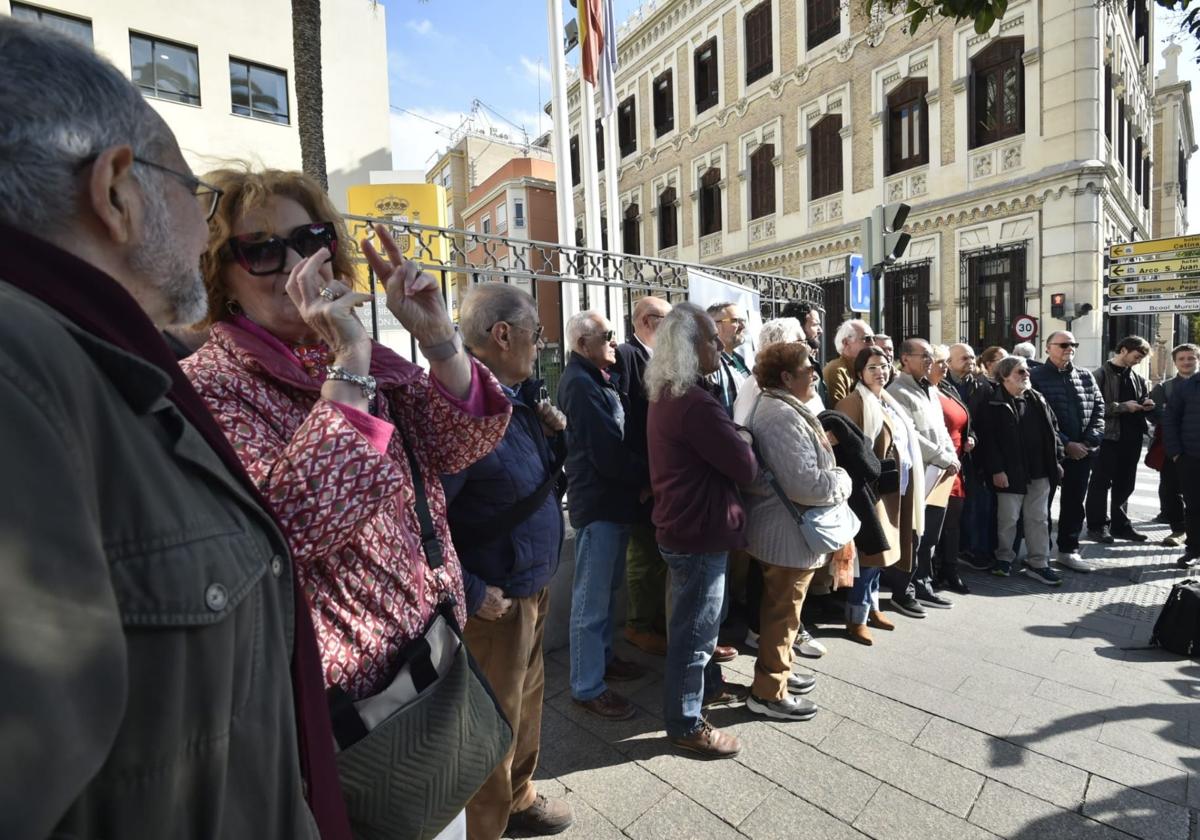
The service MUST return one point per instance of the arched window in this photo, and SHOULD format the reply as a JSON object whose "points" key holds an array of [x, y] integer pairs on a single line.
{"points": [[998, 92], [762, 181], [668, 232], [908, 127], [630, 241], [710, 202], [825, 156]]}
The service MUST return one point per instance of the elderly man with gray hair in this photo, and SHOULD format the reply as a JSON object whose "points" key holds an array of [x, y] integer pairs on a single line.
{"points": [[605, 480], [507, 527], [148, 607], [851, 338]]}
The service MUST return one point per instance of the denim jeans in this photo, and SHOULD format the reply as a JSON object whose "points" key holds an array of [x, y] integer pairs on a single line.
{"points": [[864, 595], [697, 591], [599, 570]]}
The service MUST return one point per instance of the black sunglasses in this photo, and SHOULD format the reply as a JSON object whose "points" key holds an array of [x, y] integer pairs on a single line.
{"points": [[607, 335], [259, 256], [1066, 344]]}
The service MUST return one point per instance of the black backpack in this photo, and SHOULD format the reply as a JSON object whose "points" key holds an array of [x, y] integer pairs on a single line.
{"points": [[1178, 625]]}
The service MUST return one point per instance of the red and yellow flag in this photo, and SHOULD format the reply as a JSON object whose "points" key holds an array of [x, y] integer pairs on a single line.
{"points": [[591, 37]]}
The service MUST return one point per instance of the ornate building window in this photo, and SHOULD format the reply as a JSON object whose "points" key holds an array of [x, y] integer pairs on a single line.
{"points": [[907, 127], [664, 103], [998, 92], [757, 28], [762, 181], [704, 79], [668, 230], [710, 202], [630, 241], [823, 21], [825, 156], [627, 127]]}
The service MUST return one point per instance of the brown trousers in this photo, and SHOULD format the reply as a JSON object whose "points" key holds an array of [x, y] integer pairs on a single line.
{"points": [[509, 652], [779, 622]]}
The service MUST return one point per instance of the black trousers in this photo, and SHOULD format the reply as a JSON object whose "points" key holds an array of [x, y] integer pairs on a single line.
{"points": [[1073, 488], [1189, 481], [921, 577], [945, 559], [1115, 473], [1170, 495]]}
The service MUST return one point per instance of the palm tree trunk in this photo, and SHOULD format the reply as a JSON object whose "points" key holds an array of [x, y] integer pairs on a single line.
{"points": [[310, 97]]}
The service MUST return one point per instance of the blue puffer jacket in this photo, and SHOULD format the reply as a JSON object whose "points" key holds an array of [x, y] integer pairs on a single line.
{"points": [[1181, 421], [604, 474], [523, 560], [1075, 399]]}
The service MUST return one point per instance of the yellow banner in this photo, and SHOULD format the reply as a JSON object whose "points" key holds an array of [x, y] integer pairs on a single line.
{"points": [[1152, 246], [1167, 266], [1160, 287]]}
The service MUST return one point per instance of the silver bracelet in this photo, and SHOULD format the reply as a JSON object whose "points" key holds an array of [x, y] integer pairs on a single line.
{"points": [[443, 349], [340, 374]]}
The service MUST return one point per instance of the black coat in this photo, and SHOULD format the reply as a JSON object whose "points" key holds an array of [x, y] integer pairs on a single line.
{"points": [[632, 360], [1000, 444], [856, 455]]}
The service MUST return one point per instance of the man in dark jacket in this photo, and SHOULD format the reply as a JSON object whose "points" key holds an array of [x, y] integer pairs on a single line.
{"points": [[1075, 400], [1126, 403], [1181, 439], [507, 527], [645, 571], [148, 608], [809, 315], [605, 479], [1020, 451], [979, 509], [1170, 493]]}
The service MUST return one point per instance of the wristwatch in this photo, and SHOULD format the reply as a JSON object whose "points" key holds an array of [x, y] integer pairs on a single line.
{"points": [[443, 349], [340, 374]]}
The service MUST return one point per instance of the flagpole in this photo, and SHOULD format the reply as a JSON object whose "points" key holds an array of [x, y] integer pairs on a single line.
{"points": [[590, 174], [608, 83], [561, 148]]}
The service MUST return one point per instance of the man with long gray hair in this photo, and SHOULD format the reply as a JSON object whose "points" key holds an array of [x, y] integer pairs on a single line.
{"points": [[148, 609], [697, 461]]}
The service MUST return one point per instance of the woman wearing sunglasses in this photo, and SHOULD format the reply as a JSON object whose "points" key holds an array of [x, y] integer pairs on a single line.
{"points": [[324, 418]]}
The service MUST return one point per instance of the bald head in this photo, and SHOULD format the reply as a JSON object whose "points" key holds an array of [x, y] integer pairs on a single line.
{"points": [[961, 361], [648, 313]]}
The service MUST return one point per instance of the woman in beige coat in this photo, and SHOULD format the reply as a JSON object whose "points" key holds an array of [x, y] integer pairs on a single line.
{"points": [[795, 448], [901, 504]]}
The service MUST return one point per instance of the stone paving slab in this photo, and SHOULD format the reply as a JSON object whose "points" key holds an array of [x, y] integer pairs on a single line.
{"points": [[676, 817], [787, 817], [1135, 812], [894, 815], [1010, 813]]}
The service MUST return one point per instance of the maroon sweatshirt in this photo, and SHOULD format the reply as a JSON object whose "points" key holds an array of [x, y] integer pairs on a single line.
{"points": [[697, 460]]}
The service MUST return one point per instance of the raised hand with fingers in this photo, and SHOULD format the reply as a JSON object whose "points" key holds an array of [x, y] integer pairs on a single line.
{"points": [[327, 305], [413, 296]]}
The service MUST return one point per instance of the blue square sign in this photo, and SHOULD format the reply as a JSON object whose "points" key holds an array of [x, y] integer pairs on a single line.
{"points": [[859, 284]]}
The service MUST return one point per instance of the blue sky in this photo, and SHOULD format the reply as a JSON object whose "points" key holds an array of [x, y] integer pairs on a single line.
{"points": [[443, 54]]}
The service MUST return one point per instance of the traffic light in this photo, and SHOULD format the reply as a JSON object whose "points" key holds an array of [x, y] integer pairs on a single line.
{"points": [[887, 240], [1058, 306]]}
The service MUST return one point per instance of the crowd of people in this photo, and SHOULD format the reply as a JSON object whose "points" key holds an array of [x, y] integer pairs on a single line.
{"points": [[221, 545]]}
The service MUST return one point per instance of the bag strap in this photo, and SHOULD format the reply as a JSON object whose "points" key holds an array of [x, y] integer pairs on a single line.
{"points": [[769, 475], [430, 542], [502, 523]]}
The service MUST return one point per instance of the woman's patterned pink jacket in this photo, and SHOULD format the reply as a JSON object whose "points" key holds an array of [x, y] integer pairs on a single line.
{"points": [[340, 484]]}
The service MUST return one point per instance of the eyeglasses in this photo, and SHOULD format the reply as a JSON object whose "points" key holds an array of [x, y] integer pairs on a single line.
{"points": [[1065, 344], [607, 335], [262, 256], [1021, 372], [208, 195], [808, 371], [741, 322], [537, 331], [920, 355]]}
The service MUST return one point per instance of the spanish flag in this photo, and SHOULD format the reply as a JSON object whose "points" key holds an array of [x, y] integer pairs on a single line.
{"points": [[591, 37]]}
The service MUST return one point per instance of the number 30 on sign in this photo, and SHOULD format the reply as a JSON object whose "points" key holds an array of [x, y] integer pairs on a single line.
{"points": [[1025, 328]]}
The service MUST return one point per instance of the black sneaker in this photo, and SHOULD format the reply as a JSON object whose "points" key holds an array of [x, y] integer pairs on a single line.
{"points": [[978, 562], [1046, 575], [1002, 568], [1101, 536], [931, 599], [907, 605], [1130, 534], [801, 683], [955, 584], [1188, 560], [789, 708]]}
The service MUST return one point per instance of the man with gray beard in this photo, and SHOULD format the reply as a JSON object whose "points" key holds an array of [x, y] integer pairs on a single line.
{"points": [[147, 609]]}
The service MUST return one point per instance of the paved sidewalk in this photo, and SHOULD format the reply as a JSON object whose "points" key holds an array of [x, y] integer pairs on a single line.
{"points": [[1019, 713]]}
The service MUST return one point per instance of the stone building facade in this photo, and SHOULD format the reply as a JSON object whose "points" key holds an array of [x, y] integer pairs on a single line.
{"points": [[1022, 152]]}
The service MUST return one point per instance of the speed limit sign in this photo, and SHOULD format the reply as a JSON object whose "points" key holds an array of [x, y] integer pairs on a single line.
{"points": [[1025, 328]]}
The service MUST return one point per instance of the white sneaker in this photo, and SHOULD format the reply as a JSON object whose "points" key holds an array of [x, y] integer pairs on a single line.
{"points": [[1074, 562], [751, 640], [1175, 538], [806, 645]]}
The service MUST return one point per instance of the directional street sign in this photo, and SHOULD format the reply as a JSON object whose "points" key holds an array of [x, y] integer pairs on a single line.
{"points": [[1137, 269], [1125, 250], [1141, 307], [859, 283], [1148, 287]]}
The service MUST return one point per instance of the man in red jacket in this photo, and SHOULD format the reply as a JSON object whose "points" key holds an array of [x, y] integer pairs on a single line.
{"points": [[697, 461]]}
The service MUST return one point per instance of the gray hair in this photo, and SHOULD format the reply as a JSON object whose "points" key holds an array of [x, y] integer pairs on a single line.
{"points": [[675, 365], [61, 103], [940, 352], [1025, 350], [581, 325], [846, 330], [487, 303], [1006, 366], [780, 330], [714, 308]]}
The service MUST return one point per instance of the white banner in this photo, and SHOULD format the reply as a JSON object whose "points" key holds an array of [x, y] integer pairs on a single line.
{"points": [[706, 289]]}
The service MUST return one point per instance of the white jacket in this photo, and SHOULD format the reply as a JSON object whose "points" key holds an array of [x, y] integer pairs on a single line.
{"points": [[924, 409]]}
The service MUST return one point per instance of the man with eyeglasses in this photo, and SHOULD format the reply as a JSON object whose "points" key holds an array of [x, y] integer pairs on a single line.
{"points": [[731, 327], [1079, 409], [645, 570], [1127, 401], [605, 480], [507, 527], [159, 668], [851, 338]]}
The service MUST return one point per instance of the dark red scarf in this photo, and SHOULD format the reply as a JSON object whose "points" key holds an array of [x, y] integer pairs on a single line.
{"points": [[101, 306]]}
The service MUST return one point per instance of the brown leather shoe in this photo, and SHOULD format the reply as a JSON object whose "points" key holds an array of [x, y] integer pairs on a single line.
{"points": [[544, 816], [880, 621], [727, 693], [725, 653], [652, 643], [609, 705], [622, 670], [709, 742], [859, 633]]}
